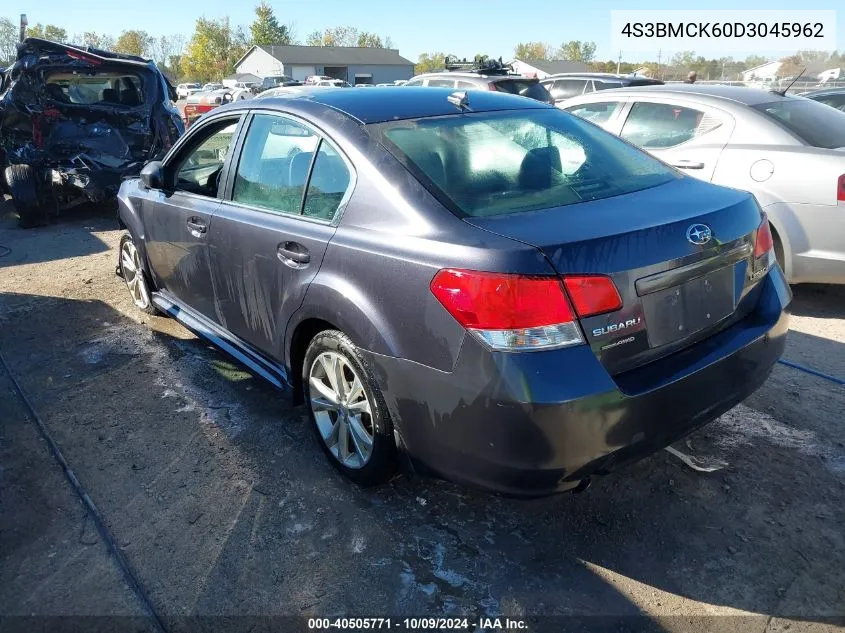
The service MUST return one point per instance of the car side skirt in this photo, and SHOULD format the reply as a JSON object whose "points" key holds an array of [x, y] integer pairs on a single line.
{"points": [[200, 325]]}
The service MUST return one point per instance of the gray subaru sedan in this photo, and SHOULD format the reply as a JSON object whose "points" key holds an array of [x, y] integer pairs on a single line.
{"points": [[501, 291]]}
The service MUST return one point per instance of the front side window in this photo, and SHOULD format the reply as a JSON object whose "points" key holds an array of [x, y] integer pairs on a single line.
{"points": [[274, 164], [199, 171], [663, 125], [415, 82], [814, 123], [496, 163], [441, 83], [598, 113]]}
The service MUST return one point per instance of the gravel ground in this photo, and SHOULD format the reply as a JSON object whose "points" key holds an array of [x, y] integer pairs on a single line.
{"points": [[213, 489]]}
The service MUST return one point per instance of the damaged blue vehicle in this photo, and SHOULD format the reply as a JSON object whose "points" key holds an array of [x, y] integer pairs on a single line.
{"points": [[75, 122]]}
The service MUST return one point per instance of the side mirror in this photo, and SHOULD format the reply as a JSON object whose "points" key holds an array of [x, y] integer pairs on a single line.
{"points": [[152, 175], [227, 98]]}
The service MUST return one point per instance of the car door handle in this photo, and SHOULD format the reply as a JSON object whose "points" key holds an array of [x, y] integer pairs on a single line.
{"points": [[293, 253], [687, 164], [196, 226]]}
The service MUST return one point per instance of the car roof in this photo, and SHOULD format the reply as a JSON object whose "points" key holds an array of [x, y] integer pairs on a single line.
{"points": [[463, 74], [394, 103], [737, 94]]}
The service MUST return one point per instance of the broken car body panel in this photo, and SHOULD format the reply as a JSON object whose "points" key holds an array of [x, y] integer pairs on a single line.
{"points": [[84, 119]]}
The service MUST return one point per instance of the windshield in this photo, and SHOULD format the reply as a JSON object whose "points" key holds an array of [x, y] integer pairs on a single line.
{"points": [[495, 163], [814, 123], [106, 88]]}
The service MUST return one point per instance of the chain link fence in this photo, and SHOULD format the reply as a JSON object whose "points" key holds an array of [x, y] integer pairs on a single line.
{"points": [[797, 88]]}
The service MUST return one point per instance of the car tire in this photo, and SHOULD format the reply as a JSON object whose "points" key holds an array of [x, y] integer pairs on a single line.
{"points": [[347, 410], [132, 271], [23, 187]]}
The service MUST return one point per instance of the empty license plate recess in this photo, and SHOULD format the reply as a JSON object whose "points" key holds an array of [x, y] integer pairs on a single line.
{"points": [[679, 311]]}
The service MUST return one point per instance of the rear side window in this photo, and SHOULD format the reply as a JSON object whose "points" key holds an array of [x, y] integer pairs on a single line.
{"points": [[530, 89], [496, 163], [834, 101], [105, 88], [566, 88], [814, 123], [274, 164], [662, 125], [607, 85], [328, 184], [597, 113]]}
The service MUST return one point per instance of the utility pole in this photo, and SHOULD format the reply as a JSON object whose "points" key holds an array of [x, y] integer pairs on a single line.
{"points": [[24, 24], [619, 62]]}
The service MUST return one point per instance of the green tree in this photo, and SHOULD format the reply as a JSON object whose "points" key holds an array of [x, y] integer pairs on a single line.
{"points": [[532, 50], [790, 66], [134, 42], [213, 50], [315, 38], [429, 62], [9, 34], [102, 41], [577, 51], [369, 40], [48, 32], [752, 61], [266, 29]]}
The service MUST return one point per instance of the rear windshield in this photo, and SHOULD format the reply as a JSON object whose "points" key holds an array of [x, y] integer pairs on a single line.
{"points": [[524, 88], [814, 123], [102, 88], [495, 163]]}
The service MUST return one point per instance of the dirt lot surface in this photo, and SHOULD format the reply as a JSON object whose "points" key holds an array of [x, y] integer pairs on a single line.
{"points": [[216, 495]]}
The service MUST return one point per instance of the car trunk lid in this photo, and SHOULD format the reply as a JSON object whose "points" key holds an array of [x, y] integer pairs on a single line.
{"points": [[680, 255]]}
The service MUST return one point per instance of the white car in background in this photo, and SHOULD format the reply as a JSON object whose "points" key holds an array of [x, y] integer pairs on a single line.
{"points": [[183, 91], [787, 150], [333, 83]]}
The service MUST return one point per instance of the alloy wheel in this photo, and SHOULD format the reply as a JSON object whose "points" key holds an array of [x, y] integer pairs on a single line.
{"points": [[133, 275], [341, 409]]}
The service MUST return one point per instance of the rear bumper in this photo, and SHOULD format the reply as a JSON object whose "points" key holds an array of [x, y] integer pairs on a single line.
{"points": [[538, 423]]}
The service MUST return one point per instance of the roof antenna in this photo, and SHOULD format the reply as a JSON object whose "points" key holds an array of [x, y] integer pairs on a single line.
{"points": [[459, 99], [782, 93]]}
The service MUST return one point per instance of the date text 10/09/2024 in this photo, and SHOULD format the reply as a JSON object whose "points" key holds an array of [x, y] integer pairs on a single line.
{"points": [[487, 625]]}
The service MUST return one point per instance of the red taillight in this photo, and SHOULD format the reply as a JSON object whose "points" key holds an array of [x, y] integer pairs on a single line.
{"points": [[491, 87], [592, 294], [764, 242], [840, 190], [520, 312], [493, 301]]}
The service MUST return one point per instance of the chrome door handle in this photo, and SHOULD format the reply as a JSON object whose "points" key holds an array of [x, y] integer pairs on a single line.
{"points": [[293, 252], [687, 164], [196, 226]]}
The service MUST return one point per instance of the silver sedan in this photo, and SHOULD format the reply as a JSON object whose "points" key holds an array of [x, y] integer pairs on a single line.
{"points": [[787, 150]]}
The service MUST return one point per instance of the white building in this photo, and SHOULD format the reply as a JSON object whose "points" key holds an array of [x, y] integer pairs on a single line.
{"points": [[354, 64], [763, 72]]}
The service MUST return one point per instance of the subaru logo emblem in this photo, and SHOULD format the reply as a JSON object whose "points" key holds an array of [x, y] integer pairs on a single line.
{"points": [[699, 234]]}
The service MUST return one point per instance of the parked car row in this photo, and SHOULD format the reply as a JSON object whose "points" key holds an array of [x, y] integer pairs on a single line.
{"points": [[789, 151]]}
